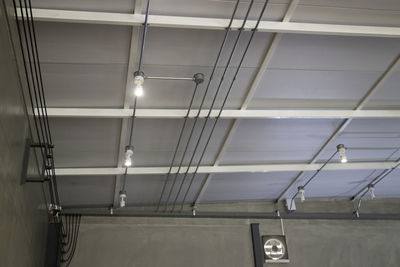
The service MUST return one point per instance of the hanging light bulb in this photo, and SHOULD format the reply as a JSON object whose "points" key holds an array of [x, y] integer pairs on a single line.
{"points": [[371, 189], [122, 199], [128, 156], [301, 192], [341, 149], [138, 81]]}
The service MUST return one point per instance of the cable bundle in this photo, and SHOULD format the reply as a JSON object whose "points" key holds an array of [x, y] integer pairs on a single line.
{"points": [[33, 75], [70, 232]]}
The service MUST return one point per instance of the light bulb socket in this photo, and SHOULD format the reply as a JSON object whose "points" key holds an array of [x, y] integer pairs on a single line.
{"points": [[198, 78], [340, 147], [129, 148]]}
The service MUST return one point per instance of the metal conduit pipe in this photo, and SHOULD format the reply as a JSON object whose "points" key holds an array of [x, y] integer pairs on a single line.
{"points": [[239, 215]]}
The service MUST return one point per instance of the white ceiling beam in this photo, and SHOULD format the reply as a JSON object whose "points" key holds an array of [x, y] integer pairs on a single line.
{"points": [[211, 23], [225, 169], [226, 114]]}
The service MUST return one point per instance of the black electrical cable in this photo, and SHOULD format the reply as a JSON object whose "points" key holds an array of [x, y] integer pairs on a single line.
{"points": [[213, 102], [221, 109], [144, 34], [42, 100], [177, 145], [377, 179], [29, 84], [312, 178], [44, 146], [67, 252], [130, 140], [75, 241], [228, 29]]}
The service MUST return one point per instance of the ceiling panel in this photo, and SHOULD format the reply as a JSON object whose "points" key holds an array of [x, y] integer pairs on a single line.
{"points": [[86, 190], [155, 141], [84, 85], [246, 186], [324, 52], [218, 8], [123, 6], [195, 47], [83, 43], [146, 189], [276, 141], [85, 142], [389, 186], [335, 87]]}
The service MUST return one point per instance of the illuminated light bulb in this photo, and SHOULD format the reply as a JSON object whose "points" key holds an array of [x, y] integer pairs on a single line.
{"points": [[122, 199], [128, 156], [139, 90], [138, 81], [371, 189], [301, 192], [341, 149]]}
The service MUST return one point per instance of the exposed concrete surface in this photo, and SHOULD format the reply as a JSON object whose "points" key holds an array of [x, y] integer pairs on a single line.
{"points": [[23, 219], [195, 242]]}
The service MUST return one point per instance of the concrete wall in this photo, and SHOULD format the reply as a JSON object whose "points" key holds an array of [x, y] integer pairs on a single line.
{"points": [[23, 219], [195, 242]]}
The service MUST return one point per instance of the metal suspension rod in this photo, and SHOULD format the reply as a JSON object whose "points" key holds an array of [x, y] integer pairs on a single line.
{"points": [[177, 147], [144, 35], [312, 178], [169, 78], [212, 104], [223, 105], [228, 29]]}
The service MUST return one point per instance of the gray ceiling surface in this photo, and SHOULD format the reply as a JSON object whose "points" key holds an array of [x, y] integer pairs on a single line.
{"points": [[85, 65]]}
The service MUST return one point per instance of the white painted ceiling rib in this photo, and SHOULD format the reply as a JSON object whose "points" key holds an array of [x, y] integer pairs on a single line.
{"points": [[278, 121]]}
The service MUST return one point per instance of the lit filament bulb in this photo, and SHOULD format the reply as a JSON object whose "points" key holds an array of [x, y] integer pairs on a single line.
{"points": [[138, 81], [128, 156], [341, 149]]}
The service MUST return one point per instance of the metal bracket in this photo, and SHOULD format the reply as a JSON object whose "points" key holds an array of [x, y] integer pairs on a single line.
{"points": [[25, 163]]}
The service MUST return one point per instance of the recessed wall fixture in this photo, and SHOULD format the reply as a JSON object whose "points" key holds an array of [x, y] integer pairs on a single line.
{"points": [[128, 156], [301, 192], [138, 81], [341, 149], [371, 189]]}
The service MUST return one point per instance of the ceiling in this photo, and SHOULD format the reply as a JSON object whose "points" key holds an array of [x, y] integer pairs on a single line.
{"points": [[86, 65]]}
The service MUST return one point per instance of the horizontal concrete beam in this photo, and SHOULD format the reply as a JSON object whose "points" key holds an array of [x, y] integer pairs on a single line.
{"points": [[228, 114], [211, 23], [226, 169]]}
